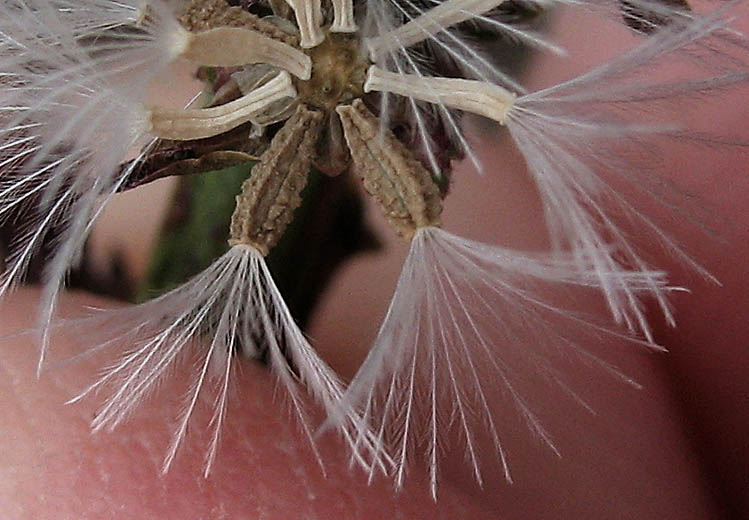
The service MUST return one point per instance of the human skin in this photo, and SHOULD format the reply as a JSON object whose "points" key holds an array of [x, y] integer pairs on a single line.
{"points": [[54, 467], [695, 397], [658, 461], [688, 420], [675, 449]]}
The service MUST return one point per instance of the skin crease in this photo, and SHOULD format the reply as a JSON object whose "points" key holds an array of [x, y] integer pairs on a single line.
{"points": [[675, 449]]}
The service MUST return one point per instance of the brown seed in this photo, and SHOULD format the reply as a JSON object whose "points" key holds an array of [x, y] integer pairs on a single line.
{"points": [[272, 193], [400, 184]]}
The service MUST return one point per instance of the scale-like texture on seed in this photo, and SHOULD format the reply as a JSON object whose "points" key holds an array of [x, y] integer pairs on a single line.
{"points": [[272, 193], [202, 15], [404, 189]]}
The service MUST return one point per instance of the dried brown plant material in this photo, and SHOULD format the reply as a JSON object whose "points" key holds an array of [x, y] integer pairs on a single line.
{"points": [[402, 187], [338, 73], [333, 156], [272, 193], [202, 15]]}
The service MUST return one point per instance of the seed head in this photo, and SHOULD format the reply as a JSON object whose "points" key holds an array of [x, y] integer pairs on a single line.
{"points": [[378, 88]]}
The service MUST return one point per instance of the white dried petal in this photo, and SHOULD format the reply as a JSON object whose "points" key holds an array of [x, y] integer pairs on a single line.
{"points": [[343, 17], [308, 18], [186, 125], [478, 97], [235, 46]]}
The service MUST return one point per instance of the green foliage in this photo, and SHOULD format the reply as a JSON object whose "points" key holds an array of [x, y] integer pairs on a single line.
{"points": [[196, 230]]}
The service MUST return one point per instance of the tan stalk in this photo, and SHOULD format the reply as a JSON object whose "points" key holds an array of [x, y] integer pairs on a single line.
{"points": [[308, 19], [189, 124], [441, 17], [343, 17], [235, 46], [478, 97]]}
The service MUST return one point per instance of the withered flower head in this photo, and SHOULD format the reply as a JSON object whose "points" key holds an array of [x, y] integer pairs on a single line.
{"points": [[375, 88]]}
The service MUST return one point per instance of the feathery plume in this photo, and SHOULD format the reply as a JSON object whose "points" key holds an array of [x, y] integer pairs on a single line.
{"points": [[578, 135], [68, 87], [231, 308], [234, 307], [465, 318], [462, 311]]}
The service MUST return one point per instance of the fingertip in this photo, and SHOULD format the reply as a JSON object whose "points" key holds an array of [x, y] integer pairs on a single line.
{"points": [[55, 467]]}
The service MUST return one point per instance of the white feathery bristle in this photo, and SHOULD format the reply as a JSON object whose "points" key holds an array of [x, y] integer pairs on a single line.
{"points": [[123, 44], [231, 307], [465, 319], [94, 16], [437, 26], [74, 75], [644, 16], [54, 168], [382, 20], [586, 138], [395, 31], [67, 90]]}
